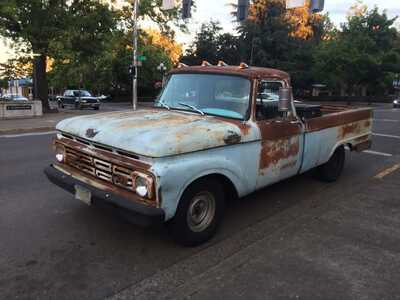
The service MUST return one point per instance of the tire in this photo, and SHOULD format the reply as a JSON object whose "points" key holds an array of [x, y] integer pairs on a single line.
{"points": [[78, 105], [199, 214], [331, 171], [96, 108]]}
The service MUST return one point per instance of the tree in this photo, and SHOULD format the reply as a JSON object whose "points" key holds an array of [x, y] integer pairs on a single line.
{"points": [[35, 23], [16, 68], [362, 55], [212, 45], [277, 38], [164, 42], [81, 50]]}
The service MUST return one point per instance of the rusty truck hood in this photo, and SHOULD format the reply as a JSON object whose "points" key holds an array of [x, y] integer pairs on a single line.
{"points": [[156, 132]]}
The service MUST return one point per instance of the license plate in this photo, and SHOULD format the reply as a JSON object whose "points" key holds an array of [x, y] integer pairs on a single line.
{"points": [[83, 194]]}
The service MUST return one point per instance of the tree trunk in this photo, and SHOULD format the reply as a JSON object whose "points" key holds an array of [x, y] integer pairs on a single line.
{"points": [[40, 79]]}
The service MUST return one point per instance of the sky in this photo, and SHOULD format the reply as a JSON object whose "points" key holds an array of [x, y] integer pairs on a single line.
{"points": [[219, 10]]}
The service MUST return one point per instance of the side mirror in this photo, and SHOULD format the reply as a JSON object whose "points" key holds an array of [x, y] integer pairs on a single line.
{"points": [[285, 99]]}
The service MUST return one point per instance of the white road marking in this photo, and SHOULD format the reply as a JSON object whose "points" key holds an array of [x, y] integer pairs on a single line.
{"points": [[10, 136], [387, 135], [387, 110], [386, 120], [377, 153]]}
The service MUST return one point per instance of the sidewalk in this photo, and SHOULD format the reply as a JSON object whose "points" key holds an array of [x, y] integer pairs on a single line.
{"points": [[347, 246], [50, 120]]}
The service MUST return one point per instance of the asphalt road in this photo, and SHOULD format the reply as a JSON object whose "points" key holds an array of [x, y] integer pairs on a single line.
{"points": [[54, 247]]}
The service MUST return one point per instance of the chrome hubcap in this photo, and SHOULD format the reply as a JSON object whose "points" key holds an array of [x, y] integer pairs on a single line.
{"points": [[201, 211]]}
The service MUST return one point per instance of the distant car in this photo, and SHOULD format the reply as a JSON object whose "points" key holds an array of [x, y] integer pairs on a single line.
{"points": [[79, 99], [104, 98], [396, 103], [13, 97]]}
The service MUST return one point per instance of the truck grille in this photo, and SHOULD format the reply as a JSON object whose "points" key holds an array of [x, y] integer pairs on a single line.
{"points": [[99, 168]]}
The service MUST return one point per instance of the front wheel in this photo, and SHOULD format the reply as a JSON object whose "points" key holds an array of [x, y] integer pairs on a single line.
{"points": [[199, 213], [332, 170]]}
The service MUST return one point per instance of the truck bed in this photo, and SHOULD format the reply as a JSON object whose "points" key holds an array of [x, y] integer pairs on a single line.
{"points": [[335, 126]]}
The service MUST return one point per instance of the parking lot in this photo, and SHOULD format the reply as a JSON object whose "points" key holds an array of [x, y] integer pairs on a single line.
{"points": [[299, 239]]}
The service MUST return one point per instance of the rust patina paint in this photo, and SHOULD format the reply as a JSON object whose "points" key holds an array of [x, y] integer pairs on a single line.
{"points": [[101, 154], [274, 130], [274, 151], [337, 119], [244, 127], [105, 186], [353, 129], [276, 143], [250, 73]]}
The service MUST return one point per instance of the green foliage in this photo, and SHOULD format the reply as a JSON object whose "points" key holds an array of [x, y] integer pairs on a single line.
{"points": [[212, 45], [361, 56]]}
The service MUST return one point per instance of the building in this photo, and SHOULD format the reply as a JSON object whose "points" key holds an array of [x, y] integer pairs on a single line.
{"points": [[23, 86]]}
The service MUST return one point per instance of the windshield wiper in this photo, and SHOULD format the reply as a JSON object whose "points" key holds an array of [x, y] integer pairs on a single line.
{"points": [[164, 105], [192, 107]]}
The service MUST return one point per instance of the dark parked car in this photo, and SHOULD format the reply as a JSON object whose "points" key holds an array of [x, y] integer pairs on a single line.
{"points": [[13, 97], [396, 103], [78, 99]]}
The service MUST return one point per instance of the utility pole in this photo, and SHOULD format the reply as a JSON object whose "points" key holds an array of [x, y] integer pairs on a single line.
{"points": [[135, 53]]}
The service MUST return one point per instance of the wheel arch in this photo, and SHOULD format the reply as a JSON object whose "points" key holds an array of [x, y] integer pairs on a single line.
{"points": [[229, 188]]}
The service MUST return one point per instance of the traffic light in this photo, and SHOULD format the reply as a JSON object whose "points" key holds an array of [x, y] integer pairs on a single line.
{"points": [[317, 6], [186, 9], [242, 10]]}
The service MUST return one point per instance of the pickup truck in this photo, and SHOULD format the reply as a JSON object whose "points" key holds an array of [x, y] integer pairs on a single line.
{"points": [[216, 133], [78, 99]]}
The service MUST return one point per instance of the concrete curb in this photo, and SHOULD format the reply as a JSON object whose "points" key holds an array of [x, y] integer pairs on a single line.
{"points": [[25, 130]]}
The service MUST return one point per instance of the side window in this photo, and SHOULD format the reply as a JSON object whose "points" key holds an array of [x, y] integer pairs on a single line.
{"points": [[268, 100], [67, 93]]}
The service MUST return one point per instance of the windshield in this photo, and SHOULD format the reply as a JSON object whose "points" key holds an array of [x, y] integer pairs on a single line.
{"points": [[82, 94], [220, 95]]}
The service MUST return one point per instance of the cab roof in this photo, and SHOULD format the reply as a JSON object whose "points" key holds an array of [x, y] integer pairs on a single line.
{"points": [[242, 70]]}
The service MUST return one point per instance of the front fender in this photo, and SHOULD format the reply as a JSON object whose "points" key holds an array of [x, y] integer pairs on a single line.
{"points": [[174, 175]]}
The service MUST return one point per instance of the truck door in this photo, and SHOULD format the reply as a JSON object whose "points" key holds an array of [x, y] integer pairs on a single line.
{"points": [[281, 139]]}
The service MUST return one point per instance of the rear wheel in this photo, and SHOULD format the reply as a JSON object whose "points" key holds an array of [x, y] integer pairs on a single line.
{"points": [[332, 170], [199, 213]]}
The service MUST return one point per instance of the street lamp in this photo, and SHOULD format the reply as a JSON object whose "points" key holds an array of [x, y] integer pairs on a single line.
{"points": [[162, 68], [135, 52]]}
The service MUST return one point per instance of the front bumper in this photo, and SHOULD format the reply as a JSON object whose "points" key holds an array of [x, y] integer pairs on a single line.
{"points": [[88, 104], [136, 213]]}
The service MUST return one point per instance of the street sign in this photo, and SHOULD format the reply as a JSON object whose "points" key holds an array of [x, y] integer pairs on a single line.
{"points": [[317, 6], [141, 58], [186, 9], [243, 10]]}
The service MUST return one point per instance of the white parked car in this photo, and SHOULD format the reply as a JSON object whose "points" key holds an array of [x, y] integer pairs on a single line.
{"points": [[13, 97]]}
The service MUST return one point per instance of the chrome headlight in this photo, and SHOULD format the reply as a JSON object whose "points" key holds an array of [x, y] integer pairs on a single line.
{"points": [[143, 185], [83, 101], [60, 153]]}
